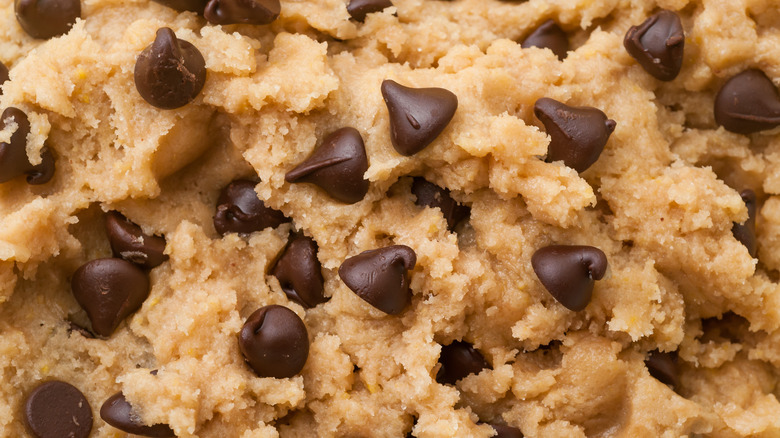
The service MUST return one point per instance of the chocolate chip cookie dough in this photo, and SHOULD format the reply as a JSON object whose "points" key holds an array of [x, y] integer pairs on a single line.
{"points": [[390, 218]]}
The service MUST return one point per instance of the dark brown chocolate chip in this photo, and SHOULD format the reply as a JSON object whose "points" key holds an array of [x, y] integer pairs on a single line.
{"points": [[3, 76], [337, 166], [568, 272], [274, 342], [578, 134], [13, 155], [109, 290], [57, 409], [657, 45], [548, 36], [129, 242], [300, 273], [47, 18], [358, 9], [380, 276], [431, 195], [242, 11], [417, 115], [748, 103], [746, 232], [663, 366], [239, 210], [504, 431], [185, 5], [170, 72], [43, 172], [458, 360], [117, 412]]}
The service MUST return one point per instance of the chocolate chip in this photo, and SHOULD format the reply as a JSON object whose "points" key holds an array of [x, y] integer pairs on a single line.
{"points": [[379, 276], [117, 412], [170, 72], [43, 172], [73, 327], [337, 166], [504, 431], [185, 5], [657, 45], [663, 366], [239, 210], [578, 134], [746, 233], [274, 342], [45, 19], [548, 36], [458, 360], [13, 155], [748, 103], [431, 195], [299, 272], [109, 290], [417, 115], [729, 326], [242, 11], [129, 242], [358, 9], [57, 409], [568, 272], [3, 76]]}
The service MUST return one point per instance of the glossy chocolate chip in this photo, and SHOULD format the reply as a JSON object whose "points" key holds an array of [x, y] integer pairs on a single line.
{"points": [[129, 242], [568, 272], [185, 5], [57, 409], [431, 195], [117, 412], [504, 431], [657, 45], [746, 232], [239, 210], [299, 272], [109, 290], [274, 342], [45, 19], [337, 166], [458, 360], [548, 36], [358, 9], [663, 366], [43, 172], [417, 115], [13, 154], [578, 134], [3, 76], [380, 276], [748, 103], [242, 11], [170, 72]]}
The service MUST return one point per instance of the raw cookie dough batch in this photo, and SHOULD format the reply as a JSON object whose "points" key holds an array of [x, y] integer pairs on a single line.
{"points": [[390, 218]]}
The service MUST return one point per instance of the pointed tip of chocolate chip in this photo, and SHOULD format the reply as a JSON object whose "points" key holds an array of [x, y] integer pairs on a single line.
{"points": [[577, 134], [239, 210], [337, 166], [300, 273], [745, 233], [242, 11], [548, 36], [129, 242], [433, 196], [663, 366], [458, 360], [47, 19], [274, 342], [358, 9], [748, 103], [380, 277], [658, 44], [58, 409], [417, 115], [568, 272], [117, 412]]}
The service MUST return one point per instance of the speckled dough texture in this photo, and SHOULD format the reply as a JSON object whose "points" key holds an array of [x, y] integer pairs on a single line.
{"points": [[660, 202]]}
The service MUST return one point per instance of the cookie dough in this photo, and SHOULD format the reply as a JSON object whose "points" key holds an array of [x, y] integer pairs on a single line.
{"points": [[429, 218]]}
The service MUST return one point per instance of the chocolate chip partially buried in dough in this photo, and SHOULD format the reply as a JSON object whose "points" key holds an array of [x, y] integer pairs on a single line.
{"points": [[337, 166], [568, 272], [431, 195], [109, 290], [746, 232], [748, 103], [358, 9], [578, 134], [548, 36], [117, 412], [13, 155], [170, 72], [417, 115], [239, 210], [504, 431], [458, 360], [3, 76], [242, 11], [185, 5], [129, 242], [663, 366], [274, 342], [45, 19], [300, 273], [657, 45], [380, 276], [57, 409]]}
